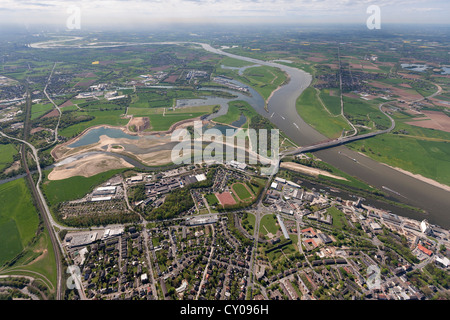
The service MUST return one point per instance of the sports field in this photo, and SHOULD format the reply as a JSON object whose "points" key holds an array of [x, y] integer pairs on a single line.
{"points": [[225, 198], [241, 191]]}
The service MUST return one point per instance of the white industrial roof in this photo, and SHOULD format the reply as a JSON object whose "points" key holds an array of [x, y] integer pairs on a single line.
{"points": [[200, 177]]}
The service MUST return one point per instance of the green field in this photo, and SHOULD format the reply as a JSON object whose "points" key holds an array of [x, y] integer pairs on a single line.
{"points": [[333, 103], [418, 150], [241, 191], [365, 113], [109, 117], [18, 219], [310, 109], [268, 224], [7, 151], [235, 109], [160, 98], [37, 261], [339, 219], [264, 79], [248, 222], [161, 119], [57, 191], [39, 109], [419, 156], [212, 199]]}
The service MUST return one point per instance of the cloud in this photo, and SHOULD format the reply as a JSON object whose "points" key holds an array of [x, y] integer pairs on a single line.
{"points": [[145, 11]]}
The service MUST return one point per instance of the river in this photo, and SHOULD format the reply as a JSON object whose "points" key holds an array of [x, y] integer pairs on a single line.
{"points": [[283, 114]]}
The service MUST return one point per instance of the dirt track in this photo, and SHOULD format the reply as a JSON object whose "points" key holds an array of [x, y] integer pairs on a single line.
{"points": [[311, 171]]}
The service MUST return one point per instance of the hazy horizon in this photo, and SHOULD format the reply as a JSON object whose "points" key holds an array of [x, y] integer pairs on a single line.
{"points": [[132, 13]]}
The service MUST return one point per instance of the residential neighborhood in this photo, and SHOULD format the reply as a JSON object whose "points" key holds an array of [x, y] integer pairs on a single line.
{"points": [[297, 244]]}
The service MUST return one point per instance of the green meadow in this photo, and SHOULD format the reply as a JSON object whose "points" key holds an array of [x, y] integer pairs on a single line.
{"points": [[268, 224], [18, 219], [241, 191], [418, 150], [39, 109], [161, 119], [108, 117], [419, 156], [264, 79], [231, 62], [310, 109], [365, 113], [57, 191], [7, 151], [212, 199], [235, 109], [332, 102]]}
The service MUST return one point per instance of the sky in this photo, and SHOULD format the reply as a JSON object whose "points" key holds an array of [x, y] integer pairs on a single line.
{"points": [[139, 12]]}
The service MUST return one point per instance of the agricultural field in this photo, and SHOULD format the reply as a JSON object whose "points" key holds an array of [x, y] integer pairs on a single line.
{"points": [[330, 98], [365, 114], [264, 79], [39, 109], [108, 117], [58, 191], [161, 119], [7, 152], [235, 63], [415, 149], [311, 110], [419, 156], [37, 261], [18, 219]]}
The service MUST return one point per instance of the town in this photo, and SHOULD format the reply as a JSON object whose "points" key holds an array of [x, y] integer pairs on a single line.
{"points": [[297, 244]]}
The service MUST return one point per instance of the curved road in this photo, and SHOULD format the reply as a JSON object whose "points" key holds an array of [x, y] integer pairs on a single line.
{"points": [[48, 219]]}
